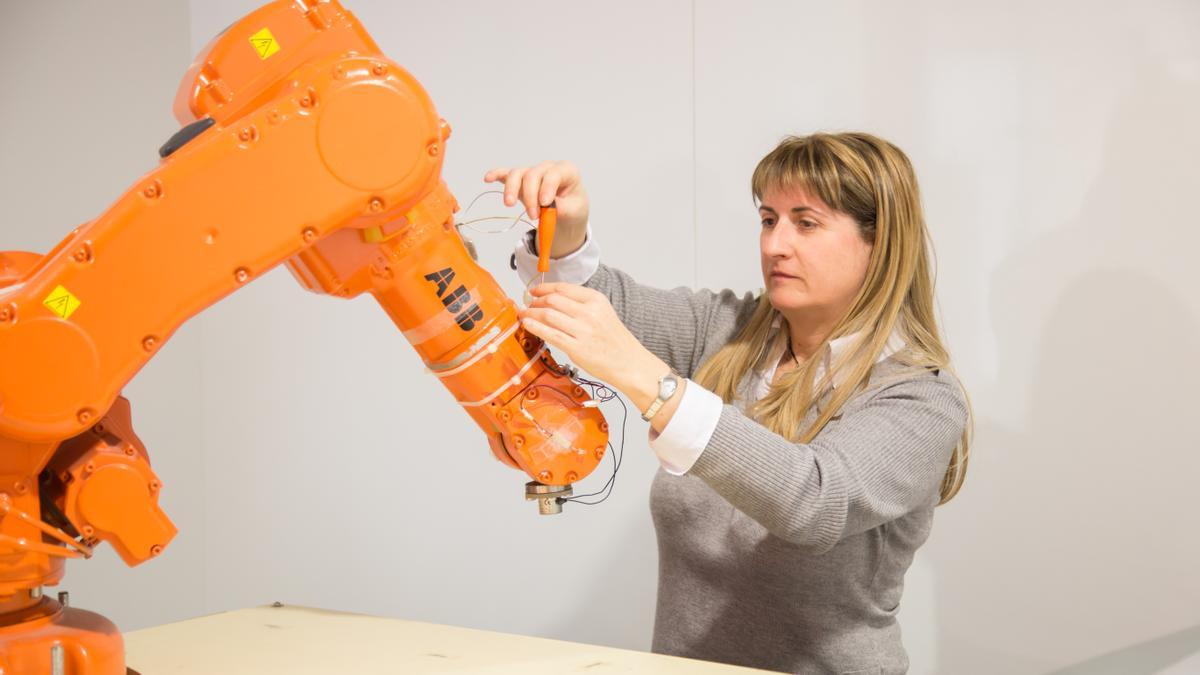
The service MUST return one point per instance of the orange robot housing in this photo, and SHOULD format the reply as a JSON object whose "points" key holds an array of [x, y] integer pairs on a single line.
{"points": [[302, 144]]}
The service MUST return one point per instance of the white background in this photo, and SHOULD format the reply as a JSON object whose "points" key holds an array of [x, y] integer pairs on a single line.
{"points": [[307, 458]]}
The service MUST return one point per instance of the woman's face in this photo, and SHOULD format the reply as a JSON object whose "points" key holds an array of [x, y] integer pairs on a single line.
{"points": [[814, 259]]}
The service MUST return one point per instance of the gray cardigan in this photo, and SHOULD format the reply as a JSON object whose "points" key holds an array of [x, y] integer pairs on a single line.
{"points": [[780, 555]]}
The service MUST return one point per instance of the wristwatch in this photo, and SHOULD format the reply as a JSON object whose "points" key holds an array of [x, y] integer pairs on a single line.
{"points": [[667, 386]]}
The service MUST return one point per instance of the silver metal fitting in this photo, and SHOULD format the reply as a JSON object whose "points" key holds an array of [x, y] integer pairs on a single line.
{"points": [[547, 496]]}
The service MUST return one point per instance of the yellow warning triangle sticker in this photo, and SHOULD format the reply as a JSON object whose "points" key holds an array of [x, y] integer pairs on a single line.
{"points": [[62, 302], [264, 43]]}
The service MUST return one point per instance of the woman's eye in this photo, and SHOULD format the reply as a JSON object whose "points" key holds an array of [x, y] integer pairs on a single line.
{"points": [[807, 225], [768, 222]]}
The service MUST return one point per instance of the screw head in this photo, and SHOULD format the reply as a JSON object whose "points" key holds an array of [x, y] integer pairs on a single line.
{"points": [[149, 343], [241, 274], [309, 234], [379, 69], [599, 452], [376, 204], [572, 476], [545, 476], [84, 416]]}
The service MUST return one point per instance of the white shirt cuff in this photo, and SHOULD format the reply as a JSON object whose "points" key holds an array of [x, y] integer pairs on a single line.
{"points": [[684, 438], [575, 268]]}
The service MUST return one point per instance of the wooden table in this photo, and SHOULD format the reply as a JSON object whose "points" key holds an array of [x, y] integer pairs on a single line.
{"points": [[302, 640]]}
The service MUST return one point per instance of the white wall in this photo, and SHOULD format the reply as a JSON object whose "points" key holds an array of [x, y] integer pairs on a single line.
{"points": [[311, 461], [85, 101]]}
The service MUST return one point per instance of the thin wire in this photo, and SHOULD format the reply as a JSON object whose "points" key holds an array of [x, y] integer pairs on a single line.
{"points": [[603, 393], [519, 219], [513, 223]]}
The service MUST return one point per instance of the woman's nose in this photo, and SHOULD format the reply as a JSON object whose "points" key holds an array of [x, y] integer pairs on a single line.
{"points": [[774, 242]]}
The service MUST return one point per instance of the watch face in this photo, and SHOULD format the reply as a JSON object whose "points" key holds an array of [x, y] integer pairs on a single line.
{"points": [[668, 386]]}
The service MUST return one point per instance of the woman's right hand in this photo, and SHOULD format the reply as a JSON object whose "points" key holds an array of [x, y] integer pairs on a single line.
{"points": [[549, 182]]}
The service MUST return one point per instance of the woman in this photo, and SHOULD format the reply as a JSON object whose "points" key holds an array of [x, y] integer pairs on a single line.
{"points": [[820, 426]]}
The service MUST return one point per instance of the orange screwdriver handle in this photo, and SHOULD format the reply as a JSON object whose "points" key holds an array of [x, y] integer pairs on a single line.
{"points": [[547, 222]]}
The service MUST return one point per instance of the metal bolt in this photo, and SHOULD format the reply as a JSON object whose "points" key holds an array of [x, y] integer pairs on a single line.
{"points": [[154, 485], [531, 394], [57, 660], [545, 476], [87, 531], [379, 69], [599, 453], [64, 598], [248, 134], [84, 416], [505, 416], [241, 274], [572, 476], [130, 450], [149, 343], [577, 391], [518, 441], [89, 467], [309, 234], [35, 593], [273, 117], [604, 427], [376, 204], [153, 190], [434, 149], [305, 102], [20, 487], [155, 549], [6, 313]]}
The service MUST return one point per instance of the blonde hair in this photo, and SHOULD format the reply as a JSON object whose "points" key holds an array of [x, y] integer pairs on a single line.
{"points": [[872, 181]]}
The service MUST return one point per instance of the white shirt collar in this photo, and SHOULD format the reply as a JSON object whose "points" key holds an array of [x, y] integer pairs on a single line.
{"points": [[836, 346]]}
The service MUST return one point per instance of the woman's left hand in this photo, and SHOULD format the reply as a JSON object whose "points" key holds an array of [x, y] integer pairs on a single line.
{"points": [[583, 324]]}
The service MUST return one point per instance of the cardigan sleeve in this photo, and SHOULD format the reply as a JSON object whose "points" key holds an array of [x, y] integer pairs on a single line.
{"points": [[675, 325], [883, 458]]}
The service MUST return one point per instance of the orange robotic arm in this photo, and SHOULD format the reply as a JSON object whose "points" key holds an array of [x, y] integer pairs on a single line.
{"points": [[302, 145]]}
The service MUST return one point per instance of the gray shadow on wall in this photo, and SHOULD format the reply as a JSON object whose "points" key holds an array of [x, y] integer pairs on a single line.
{"points": [[1075, 532], [1146, 658]]}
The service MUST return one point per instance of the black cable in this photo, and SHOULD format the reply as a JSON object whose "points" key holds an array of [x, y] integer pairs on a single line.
{"points": [[603, 393]]}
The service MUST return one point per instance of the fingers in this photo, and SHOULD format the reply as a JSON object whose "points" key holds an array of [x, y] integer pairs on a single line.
{"points": [[555, 337], [512, 186], [549, 189], [536, 186], [531, 184], [560, 302], [572, 291]]}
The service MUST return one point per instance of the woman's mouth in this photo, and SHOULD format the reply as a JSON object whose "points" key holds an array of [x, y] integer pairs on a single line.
{"points": [[781, 275]]}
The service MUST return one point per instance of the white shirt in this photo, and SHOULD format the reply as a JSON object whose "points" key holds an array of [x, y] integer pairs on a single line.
{"points": [[686, 435]]}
